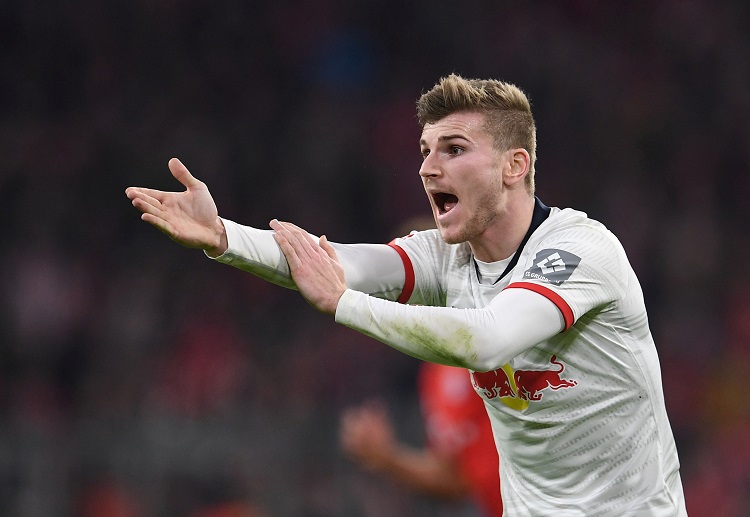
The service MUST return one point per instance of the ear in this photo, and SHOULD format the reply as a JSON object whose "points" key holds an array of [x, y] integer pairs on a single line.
{"points": [[518, 161]]}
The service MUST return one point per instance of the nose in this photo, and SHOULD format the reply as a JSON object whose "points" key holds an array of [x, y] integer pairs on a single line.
{"points": [[429, 168]]}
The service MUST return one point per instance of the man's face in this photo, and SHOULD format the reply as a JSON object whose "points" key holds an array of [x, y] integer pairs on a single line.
{"points": [[462, 174]]}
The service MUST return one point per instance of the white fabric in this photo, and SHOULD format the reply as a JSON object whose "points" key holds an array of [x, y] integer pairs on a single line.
{"points": [[578, 415], [479, 339], [371, 268]]}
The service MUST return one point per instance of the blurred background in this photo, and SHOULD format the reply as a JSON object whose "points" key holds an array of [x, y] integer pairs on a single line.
{"points": [[139, 378]]}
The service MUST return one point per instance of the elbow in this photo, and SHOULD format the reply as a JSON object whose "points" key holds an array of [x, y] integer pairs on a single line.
{"points": [[482, 358], [484, 364], [479, 348], [488, 354]]}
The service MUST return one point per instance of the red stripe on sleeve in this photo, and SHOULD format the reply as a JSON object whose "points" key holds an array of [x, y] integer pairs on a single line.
{"points": [[408, 270], [552, 296]]}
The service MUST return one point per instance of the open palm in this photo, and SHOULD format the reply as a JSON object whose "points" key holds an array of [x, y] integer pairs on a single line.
{"points": [[188, 217]]}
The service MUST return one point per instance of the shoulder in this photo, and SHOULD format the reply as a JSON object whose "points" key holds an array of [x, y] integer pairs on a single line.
{"points": [[571, 218], [428, 245], [576, 229], [421, 238], [571, 245]]}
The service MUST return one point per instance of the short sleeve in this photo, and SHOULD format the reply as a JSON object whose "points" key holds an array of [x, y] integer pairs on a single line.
{"points": [[425, 257]]}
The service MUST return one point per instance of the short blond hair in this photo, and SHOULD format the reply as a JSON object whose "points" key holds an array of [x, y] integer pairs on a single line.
{"points": [[506, 108]]}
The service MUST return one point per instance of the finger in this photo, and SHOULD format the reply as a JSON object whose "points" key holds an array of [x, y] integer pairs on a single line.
{"points": [[291, 226], [304, 245], [275, 224], [142, 197], [161, 224], [133, 192], [281, 226], [148, 205], [301, 232], [287, 249], [181, 174], [328, 248]]}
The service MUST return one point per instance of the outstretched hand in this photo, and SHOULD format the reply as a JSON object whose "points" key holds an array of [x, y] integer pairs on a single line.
{"points": [[188, 217], [314, 266], [366, 434]]}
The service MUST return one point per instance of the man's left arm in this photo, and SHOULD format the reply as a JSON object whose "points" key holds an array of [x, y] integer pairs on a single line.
{"points": [[478, 339]]}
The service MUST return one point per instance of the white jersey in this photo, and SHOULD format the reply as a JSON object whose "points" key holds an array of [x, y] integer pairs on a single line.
{"points": [[579, 417]]}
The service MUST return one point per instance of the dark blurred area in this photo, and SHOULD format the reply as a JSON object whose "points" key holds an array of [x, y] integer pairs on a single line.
{"points": [[139, 378]]}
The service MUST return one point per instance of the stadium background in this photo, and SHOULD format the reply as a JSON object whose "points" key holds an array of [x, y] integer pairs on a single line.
{"points": [[138, 378]]}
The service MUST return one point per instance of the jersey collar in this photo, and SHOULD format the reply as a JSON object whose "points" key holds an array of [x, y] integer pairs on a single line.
{"points": [[541, 212]]}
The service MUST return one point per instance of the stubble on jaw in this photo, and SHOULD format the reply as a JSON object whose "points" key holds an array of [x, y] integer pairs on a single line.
{"points": [[485, 214]]}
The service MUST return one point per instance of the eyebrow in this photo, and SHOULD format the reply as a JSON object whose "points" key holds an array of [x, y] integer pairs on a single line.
{"points": [[443, 138]]}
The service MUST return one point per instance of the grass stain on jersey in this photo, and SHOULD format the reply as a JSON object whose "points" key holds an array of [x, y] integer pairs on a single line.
{"points": [[456, 349]]}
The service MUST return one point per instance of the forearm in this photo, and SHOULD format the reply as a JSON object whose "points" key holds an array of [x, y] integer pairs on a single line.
{"points": [[375, 269], [478, 339], [424, 471], [255, 251]]}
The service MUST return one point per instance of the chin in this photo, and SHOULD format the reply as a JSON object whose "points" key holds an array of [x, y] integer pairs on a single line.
{"points": [[451, 237]]}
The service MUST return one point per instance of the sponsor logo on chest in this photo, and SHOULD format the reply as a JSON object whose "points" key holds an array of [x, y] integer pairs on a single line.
{"points": [[516, 388]]}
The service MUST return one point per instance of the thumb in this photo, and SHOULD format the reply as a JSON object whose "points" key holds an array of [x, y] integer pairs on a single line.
{"points": [[181, 174]]}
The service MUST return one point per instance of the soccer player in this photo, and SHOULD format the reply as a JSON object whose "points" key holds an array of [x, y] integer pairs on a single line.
{"points": [[540, 303], [460, 460]]}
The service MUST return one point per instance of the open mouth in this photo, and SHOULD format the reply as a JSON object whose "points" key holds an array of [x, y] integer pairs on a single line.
{"points": [[444, 202]]}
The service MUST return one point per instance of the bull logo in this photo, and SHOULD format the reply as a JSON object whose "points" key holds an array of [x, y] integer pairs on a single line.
{"points": [[492, 384], [530, 383], [516, 388]]}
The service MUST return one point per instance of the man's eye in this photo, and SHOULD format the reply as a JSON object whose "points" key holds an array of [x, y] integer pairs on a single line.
{"points": [[425, 153], [455, 150]]}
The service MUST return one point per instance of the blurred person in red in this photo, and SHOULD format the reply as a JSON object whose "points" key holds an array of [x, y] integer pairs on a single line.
{"points": [[460, 459]]}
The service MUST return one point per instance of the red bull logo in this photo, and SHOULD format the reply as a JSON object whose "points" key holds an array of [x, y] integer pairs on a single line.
{"points": [[492, 384], [517, 388]]}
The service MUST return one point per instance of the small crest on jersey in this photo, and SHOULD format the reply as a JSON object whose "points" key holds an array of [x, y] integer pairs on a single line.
{"points": [[553, 266]]}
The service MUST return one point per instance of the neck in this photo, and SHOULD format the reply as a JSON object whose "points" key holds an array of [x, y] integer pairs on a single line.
{"points": [[503, 237]]}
